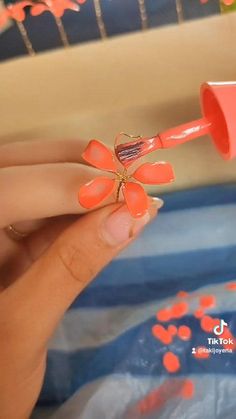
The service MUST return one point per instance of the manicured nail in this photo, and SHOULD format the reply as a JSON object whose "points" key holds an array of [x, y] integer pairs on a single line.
{"points": [[120, 226], [157, 202]]}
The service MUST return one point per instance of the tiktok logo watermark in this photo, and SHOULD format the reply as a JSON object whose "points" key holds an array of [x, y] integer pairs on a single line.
{"points": [[219, 329], [226, 340]]}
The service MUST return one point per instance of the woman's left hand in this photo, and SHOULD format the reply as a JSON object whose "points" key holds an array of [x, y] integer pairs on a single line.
{"points": [[41, 274]]}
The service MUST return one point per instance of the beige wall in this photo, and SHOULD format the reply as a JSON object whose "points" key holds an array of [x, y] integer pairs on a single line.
{"points": [[140, 83]]}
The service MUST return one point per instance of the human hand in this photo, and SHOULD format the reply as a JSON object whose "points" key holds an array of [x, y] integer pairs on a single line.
{"points": [[41, 274]]}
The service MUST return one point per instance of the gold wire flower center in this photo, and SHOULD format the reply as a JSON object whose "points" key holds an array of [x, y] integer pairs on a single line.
{"points": [[122, 177]]}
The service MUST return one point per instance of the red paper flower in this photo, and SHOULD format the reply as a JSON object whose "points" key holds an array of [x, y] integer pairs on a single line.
{"points": [[100, 188], [14, 11], [56, 7]]}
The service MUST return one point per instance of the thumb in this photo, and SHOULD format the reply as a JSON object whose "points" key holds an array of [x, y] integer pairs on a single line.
{"points": [[35, 303]]}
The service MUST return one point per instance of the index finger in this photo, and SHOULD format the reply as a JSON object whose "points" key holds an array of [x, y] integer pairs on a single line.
{"points": [[41, 152], [43, 190]]}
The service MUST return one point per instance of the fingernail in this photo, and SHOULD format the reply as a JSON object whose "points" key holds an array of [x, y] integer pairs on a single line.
{"points": [[120, 226], [157, 202]]}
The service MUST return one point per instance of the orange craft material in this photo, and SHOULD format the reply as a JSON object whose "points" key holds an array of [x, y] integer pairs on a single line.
{"points": [[184, 332], [207, 301], [182, 294], [199, 313], [163, 315], [56, 7], [171, 362], [14, 11], [188, 389], [163, 335], [225, 2], [172, 329], [97, 190], [201, 353], [208, 323], [166, 392], [231, 286], [179, 309]]}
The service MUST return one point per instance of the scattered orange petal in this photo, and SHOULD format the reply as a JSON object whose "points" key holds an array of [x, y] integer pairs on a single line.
{"points": [[160, 333], [201, 353], [182, 294], [163, 315], [153, 401], [199, 313], [231, 286], [172, 329], [188, 390], [171, 362], [228, 2], [208, 323], [157, 398], [207, 301], [184, 332], [179, 309]]}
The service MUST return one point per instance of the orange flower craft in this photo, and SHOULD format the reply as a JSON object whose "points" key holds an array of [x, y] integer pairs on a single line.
{"points": [[14, 11], [225, 2], [56, 7], [96, 191], [17, 13]]}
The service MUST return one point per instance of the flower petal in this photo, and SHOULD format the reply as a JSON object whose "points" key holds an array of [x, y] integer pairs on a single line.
{"points": [[72, 6], [25, 3], [57, 10], [98, 155], [154, 173], [94, 192], [16, 12], [4, 16], [136, 199], [38, 9]]}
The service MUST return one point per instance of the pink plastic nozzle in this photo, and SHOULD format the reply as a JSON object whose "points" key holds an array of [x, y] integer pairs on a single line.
{"points": [[218, 103]]}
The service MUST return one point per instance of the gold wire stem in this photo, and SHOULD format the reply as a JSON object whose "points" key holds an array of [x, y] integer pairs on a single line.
{"points": [[99, 17], [25, 38], [126, 135], [122, 179], [118, 191], [179, 11], [62, 32], [130, 135], [143, 14]]}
